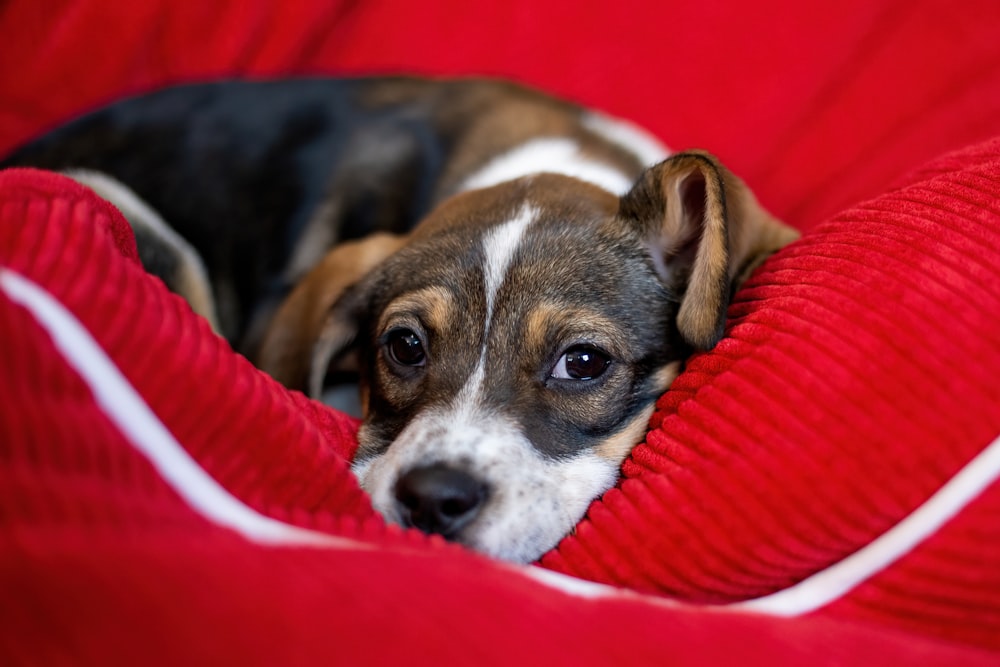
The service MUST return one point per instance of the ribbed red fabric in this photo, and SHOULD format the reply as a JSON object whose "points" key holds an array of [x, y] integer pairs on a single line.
{"points": [[857, 377]]}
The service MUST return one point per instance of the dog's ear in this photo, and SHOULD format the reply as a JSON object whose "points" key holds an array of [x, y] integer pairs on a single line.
{"points": [[706, 234], [317, 323]]}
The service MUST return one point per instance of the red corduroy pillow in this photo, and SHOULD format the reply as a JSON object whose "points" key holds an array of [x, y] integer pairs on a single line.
{"points": [[857, 376]]}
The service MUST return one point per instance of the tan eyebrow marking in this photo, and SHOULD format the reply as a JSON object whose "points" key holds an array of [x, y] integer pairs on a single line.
{"points": [[434, 306], [550, 318]]}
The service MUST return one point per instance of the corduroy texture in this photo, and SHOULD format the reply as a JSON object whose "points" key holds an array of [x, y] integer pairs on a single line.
{"points": [[857, 376]]}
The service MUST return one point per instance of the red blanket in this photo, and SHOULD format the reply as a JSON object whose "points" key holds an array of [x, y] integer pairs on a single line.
{"points": [[821, 488]]}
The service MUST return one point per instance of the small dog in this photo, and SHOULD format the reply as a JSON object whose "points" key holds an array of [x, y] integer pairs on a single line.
{"points": [[510, 347]]}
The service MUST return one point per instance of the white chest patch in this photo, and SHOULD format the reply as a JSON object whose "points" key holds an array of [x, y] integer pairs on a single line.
{"points": [[550, 155]]}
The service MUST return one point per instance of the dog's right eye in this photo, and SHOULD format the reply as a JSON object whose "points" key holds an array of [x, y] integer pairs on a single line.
{"points": [[581, 362], [405, 348]]}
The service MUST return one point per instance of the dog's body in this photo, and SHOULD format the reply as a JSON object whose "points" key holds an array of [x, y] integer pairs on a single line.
{"points": [[510, 347]]}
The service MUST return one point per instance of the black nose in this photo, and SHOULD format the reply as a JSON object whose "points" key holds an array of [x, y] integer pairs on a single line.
{"points": [[439, 499]]}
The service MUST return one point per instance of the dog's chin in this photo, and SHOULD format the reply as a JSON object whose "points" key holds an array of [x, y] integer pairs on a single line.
{"points": [[533, 502]]}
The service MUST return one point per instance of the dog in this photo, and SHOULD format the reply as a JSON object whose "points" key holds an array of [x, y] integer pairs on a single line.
{"points": [[511, 280]]}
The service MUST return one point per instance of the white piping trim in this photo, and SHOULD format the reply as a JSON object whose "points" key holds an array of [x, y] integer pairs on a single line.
{"points": [[581, 588], [837, 580], [126, 409]]}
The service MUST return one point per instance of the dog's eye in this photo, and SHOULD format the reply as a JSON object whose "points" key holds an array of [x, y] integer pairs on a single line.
{"points": [[405, 348], [581, 363]]}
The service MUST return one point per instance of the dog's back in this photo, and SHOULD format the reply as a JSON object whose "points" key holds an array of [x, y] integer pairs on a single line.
{"points": [[263, 177]]}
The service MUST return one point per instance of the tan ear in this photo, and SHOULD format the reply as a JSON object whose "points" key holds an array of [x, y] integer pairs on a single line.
{"points": [[706, 233], [319, 319]]}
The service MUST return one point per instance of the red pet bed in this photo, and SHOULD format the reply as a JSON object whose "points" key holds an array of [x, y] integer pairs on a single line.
{"points": [[819, 489]]}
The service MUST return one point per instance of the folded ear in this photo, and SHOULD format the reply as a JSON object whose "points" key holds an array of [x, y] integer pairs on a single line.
{"points": [[318, 322], [706, 234]]}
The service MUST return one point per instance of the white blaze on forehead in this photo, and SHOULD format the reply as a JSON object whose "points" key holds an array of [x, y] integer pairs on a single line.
{"points": [[549, 155], [643, 145], [499, 247]]}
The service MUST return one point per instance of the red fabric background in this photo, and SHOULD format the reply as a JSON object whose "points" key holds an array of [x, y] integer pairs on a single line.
{"points": [[816, 106], [857, 376]]}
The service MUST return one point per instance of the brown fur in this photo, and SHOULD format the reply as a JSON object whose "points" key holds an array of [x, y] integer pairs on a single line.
{"points": [[291, 345], [642, 279], [618, 446]]}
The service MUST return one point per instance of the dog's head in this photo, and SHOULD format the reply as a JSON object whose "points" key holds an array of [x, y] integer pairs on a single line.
{"points": [[511, 349]]}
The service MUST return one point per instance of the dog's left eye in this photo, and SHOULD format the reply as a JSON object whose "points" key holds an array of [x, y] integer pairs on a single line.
{"points": [[405, 348], [581, 363]]}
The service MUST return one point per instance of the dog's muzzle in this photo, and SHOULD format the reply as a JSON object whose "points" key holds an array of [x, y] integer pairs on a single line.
{"points": [[439, 499]]}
